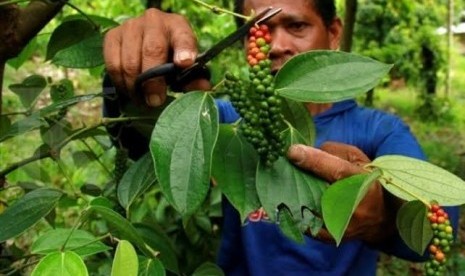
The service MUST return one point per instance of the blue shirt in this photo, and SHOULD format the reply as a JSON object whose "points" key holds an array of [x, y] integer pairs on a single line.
{"points": [[259, 248]]}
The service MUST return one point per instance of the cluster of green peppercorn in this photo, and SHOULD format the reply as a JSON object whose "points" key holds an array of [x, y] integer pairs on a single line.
{"points": [[259, 105], [441, 242]]}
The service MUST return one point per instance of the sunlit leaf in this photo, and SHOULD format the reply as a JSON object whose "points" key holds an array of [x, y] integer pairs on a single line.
{"points": [[406, 176], [234, 169], [61, 264], [27, 211], [341, 199], [182, 146], [328, 76], [125, 262], [138, 178], [79, 241], [298, 116], [413, 225]]}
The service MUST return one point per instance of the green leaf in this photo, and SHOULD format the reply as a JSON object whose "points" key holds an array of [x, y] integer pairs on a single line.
{"points": [[29, 89], [91, 189], [28, 210], [328, 76], [61, 264], [125, 262], [25, 54], [157, 239], [411, 179], [100, 20], [136, 180], [62, 90], [69, 33], [234, 169], [341, 199], [299, 117], [80, 241], [182, 146], [413, 225], [208, 269], [5, 125], [151, 267], [56, 132], [285, 183], [288, 225], [121, 227], [85, 54]]}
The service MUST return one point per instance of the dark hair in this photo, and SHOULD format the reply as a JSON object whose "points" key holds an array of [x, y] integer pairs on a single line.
{"points": [[325, 8]]}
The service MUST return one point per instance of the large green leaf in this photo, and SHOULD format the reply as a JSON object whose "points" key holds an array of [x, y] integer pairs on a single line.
{"points": [[29, 89], [61, 90], [27, 211], [288, 225], [87, 53], [103, 22], [68, 34], [61, 264], [413, 225], [125, 262], [121, 227], [79, 241], [157, 239], [208, 269], [182, 146], [138, 178], [286, 184], [30, 123], [55, 132], [341, 199], [299, 117], [411, 179], [328, 76], [234, 169], [151, 267]]}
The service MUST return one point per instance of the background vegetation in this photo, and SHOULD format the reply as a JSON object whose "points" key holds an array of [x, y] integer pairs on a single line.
{"points": [[392, 31]]}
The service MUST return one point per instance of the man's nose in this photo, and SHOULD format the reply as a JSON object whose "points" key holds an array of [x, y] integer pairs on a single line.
{"points": [[281, 44]]}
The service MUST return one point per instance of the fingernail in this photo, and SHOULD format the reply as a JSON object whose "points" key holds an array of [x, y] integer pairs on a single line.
{"points": [[183, 56], [153, 100], [296, 154]]}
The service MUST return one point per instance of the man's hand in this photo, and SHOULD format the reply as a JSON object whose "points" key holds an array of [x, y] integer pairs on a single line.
{"points": [[145, 42], [372, 221]]}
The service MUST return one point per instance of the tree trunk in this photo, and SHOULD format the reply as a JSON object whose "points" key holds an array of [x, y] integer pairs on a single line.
{"points": [[19, 25], [349, 23], [450, 17]]}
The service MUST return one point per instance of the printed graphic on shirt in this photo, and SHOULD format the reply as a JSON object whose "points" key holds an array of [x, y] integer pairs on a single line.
{"points": [[258, 215]]}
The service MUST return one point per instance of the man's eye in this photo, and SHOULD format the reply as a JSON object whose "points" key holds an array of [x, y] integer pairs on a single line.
{"points": [[297, 26]]}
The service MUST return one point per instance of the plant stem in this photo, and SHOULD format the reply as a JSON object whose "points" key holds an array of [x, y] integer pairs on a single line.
{"points": [[75, 226], [217, 9], [96, 157], [91, 242], [55, 150]]}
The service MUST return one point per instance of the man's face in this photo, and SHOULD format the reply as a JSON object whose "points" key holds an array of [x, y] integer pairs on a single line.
{"points": [[297, 28]]}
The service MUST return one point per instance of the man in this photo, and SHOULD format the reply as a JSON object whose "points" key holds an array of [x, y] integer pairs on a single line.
{"points": [[348, 137]]}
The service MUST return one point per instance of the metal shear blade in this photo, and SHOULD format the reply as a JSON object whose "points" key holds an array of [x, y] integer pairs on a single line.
{"points": [[177, 77]]}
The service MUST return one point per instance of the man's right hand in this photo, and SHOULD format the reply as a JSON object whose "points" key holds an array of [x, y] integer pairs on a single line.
{"points": [[147, 41]]}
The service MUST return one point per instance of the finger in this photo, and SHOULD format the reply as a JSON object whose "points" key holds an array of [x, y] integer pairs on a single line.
{"points": [[347, 152], [323, 164], [130, 53], [112, 57], [200, 84], [155, 49], [183, 41]]}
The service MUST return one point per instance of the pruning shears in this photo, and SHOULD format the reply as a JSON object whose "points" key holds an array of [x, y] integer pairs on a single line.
{"points": [[177, 77]]}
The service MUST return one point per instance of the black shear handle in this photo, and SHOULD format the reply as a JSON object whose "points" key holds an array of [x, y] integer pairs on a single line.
{"points": [[175, 77]]}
